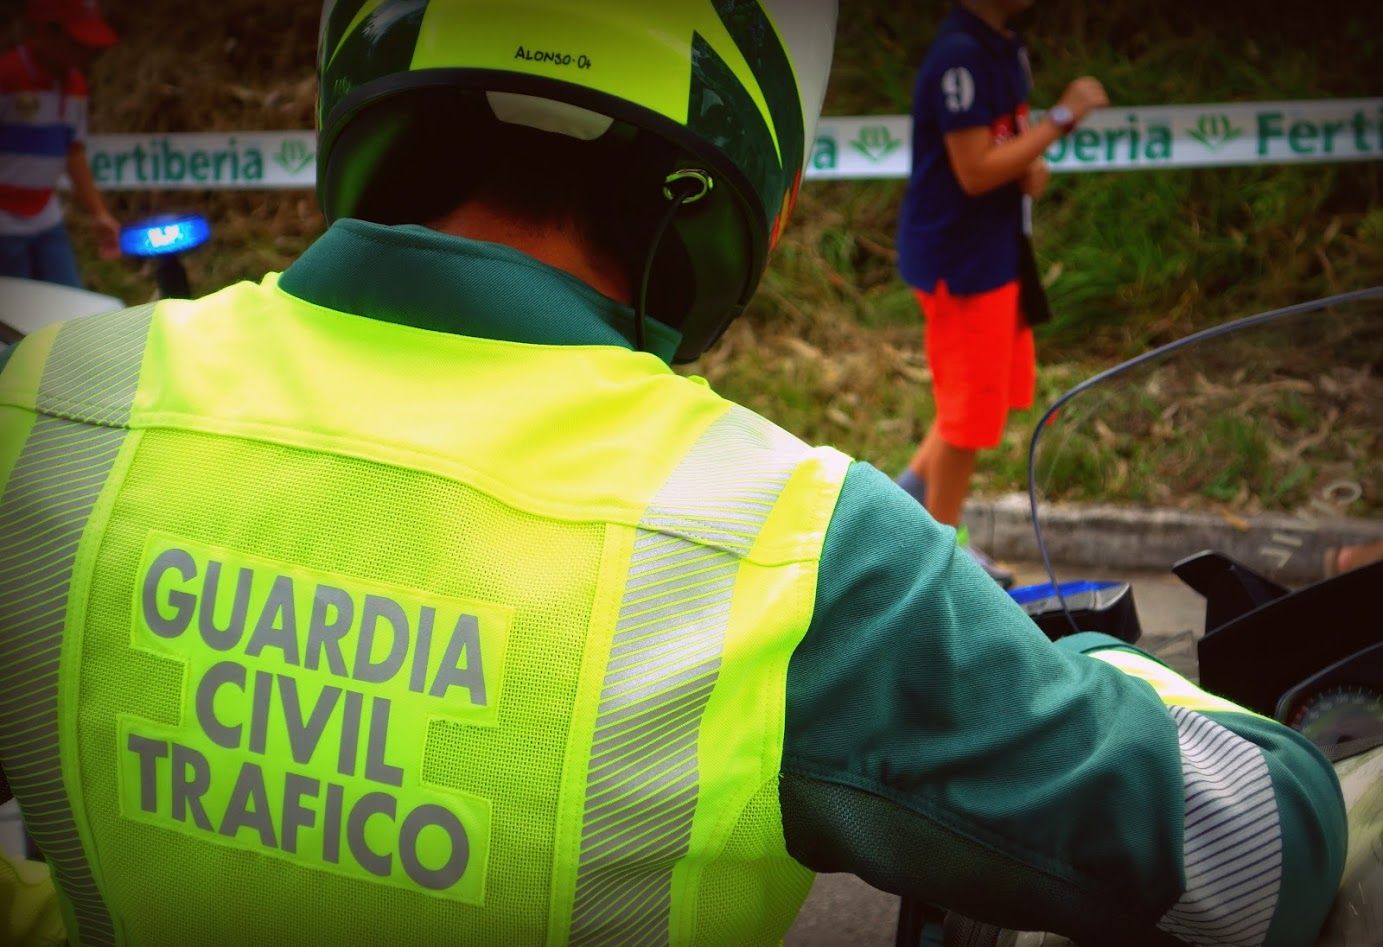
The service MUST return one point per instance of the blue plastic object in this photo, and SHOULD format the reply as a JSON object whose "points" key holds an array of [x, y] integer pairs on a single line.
{"points": [[1083, 605], [164, 235], [1026, 594]]}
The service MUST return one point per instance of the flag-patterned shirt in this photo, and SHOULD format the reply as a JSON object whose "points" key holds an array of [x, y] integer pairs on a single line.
{"points": [[41, 118]]}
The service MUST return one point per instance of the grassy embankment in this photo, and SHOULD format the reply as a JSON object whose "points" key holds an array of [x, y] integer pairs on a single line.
{"points": [[831, 348]]}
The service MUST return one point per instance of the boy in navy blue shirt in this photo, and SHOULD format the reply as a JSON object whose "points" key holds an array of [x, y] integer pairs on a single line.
{"points": [[976, 162]]}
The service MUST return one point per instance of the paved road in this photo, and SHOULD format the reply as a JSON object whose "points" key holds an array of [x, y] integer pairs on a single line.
{"points": [[842, 910]]}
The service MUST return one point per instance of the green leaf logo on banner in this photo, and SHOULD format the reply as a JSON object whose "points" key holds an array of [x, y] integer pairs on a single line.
{"points": [[824, 156], [1215, 131], [293, 156], [876, 143]]}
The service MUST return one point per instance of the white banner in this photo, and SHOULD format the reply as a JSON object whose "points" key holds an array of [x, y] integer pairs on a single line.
{"points": [[212, 160], [1113, 139]]}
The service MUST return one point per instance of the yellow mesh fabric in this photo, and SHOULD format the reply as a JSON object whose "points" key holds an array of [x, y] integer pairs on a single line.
{"points": [[378, 523], [343, 499], [752, 890]]}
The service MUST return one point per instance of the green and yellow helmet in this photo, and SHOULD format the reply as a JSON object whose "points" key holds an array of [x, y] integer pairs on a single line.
{"points": [[723, 94]]}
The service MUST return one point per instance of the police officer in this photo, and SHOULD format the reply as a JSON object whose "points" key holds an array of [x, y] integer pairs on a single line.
{"points": [[409, 596]]}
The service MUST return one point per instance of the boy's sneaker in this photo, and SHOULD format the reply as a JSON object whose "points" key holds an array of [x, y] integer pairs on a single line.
{"points": [[913, 484], [992, 569], [917, 488]]}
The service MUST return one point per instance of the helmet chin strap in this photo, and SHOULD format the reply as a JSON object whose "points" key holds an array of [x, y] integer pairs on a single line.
{"points": [[681, 187]]}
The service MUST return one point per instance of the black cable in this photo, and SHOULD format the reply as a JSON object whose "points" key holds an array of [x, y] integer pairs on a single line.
{"points": [[1373, 292], [641, 309]]}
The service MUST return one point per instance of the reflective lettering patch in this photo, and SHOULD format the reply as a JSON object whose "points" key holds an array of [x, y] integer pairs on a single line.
{"points": [[306, 697]]}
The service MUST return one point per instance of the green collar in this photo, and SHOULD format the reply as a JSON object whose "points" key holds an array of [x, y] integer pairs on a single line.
{"points": [[419, 277]]}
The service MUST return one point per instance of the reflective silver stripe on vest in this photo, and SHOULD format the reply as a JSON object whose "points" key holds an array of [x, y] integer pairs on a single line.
{"points": [[90, 376], [1232, 847], [644, 779], [93, 369]]}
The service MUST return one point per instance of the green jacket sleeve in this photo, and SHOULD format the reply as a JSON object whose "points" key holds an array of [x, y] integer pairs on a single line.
{"points": [[937, 745]]}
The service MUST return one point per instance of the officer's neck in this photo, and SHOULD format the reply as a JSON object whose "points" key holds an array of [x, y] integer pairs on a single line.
{"points": [[559, 244]]}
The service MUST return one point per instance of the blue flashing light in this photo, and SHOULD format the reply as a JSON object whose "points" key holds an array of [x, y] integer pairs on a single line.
{"points": [[164, 235]]}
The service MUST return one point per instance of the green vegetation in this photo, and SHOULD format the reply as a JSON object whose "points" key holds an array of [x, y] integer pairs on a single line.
{"points": [[1131, 259], [831, 348], [1285, 415]]}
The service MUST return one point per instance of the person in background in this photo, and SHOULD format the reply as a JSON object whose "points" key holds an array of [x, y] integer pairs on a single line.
{"points": [[976, 162], [1344, 558], [43, 119]]}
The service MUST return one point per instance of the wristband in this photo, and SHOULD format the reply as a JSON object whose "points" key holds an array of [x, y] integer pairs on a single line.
{"points": [[1062, 117]]}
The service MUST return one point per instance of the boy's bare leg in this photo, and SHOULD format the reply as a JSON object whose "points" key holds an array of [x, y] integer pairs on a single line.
{"points": [[948, 479], [938, 476], [945, 472]]}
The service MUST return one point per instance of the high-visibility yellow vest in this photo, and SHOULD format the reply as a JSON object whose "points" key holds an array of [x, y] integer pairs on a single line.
{"points": [[317, 628]]}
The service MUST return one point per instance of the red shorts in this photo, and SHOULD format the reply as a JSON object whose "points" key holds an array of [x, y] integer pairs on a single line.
{"points": [[982, 359]]}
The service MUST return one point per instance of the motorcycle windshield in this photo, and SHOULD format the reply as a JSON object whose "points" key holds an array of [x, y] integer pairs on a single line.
{"points": [[1258, 439]]}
